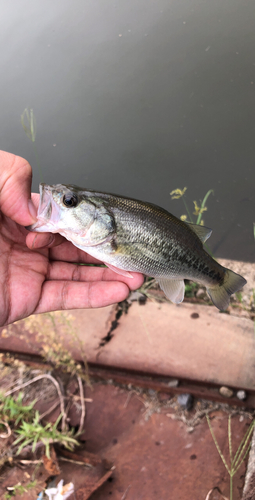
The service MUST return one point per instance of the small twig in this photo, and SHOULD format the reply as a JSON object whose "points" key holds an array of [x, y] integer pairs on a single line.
{"points": [[27, 462], [8, 433], [124, 496], [215, 489], [74, 461], [83, 410], [129, 396], [144, 326], [87, 458], [197, 417], [29, 447], [54, 381], [68, 406], [49, 410], [75, 397]]}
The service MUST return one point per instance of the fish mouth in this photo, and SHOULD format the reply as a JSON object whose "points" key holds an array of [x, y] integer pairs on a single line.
{"points": [[47, 213]]}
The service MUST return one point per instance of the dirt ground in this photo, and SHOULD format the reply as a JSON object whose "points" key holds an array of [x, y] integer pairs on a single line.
{"points": [[136, 441]]}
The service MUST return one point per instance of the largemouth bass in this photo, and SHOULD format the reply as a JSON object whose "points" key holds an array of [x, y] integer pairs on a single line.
{"points": [[133, 236]]}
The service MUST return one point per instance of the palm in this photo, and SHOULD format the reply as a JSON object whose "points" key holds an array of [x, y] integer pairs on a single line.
{"points": [[35, 281], [23, 270]]}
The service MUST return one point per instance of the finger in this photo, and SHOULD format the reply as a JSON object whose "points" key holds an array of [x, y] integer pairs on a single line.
{"points": [[15, 189], [35, 199], [59, 295], [75, 272], [69, 253], [66, 251], [43, 240]]}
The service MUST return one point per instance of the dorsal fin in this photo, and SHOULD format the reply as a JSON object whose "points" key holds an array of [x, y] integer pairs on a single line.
{"points": [[201, 231]]}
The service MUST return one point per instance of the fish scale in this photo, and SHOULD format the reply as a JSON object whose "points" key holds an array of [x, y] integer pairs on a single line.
{"points": [[130, 235]]}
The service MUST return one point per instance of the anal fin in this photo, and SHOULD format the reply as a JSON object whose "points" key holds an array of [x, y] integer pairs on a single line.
{"points": [[173, 289]]}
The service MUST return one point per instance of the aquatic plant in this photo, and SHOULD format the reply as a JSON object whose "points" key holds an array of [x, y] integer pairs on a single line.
{"points": [[28, 123], [176, 194]]}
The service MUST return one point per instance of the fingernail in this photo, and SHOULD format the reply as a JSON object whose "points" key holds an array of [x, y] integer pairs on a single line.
{"points": [[33, 244], [32, 210], [51, 240], [44, 241]]}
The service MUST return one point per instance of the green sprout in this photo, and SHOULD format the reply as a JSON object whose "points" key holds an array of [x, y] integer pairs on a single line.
{"points": [[13, 410], [19, 489], [32, 433]]}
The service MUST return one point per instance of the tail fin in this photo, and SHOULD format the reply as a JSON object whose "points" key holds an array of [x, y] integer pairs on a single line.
{"points": [[220, 294]]}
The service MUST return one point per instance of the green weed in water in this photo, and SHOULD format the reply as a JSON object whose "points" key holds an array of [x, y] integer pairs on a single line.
{"points": [[176, 194], [28, 123]]}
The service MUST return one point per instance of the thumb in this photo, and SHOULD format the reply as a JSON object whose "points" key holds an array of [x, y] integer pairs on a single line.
{"points": [[15, 189]]}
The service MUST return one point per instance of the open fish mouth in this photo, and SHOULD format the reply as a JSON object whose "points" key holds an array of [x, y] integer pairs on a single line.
{"points": [[47, 213]]}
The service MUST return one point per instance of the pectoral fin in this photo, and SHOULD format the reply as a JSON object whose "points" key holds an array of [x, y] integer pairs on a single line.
{"points": [[173, 289], [126, 274]]}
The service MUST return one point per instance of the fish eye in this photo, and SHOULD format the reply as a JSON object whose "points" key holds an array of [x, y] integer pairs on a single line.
{"points": [[70, 200]]}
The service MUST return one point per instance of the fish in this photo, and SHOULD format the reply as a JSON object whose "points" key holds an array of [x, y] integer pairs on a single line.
{"points": [[129, 235]]}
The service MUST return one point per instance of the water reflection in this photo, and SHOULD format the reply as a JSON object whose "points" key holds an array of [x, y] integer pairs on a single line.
{"points": [[138, 98]]}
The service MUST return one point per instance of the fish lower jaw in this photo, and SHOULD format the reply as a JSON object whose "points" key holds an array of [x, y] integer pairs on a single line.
{"points": [[42, 226]]}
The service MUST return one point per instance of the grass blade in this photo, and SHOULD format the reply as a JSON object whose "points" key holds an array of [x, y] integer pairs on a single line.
{"points": [[230, 439], [217, 445], [243, 448]]}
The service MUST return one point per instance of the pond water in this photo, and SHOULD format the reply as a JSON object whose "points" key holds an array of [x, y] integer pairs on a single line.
{"points": [[138, 98]]}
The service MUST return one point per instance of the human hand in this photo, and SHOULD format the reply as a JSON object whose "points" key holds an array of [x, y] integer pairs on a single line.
{"points": [[40, 272]]}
